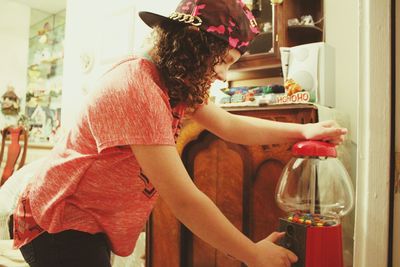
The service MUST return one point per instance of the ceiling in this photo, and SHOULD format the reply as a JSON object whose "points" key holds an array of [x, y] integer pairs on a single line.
{"points": [[48, 6], [41, 9]]}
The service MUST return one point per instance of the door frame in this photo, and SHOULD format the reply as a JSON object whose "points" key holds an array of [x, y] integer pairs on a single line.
{"points": [[395, 257], [374, 135]]}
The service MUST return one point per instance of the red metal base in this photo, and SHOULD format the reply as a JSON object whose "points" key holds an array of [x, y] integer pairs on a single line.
{"points": [[314, 246], [324, 247]]}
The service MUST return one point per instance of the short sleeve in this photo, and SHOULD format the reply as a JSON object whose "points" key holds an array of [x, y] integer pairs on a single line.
{"points": [[129, 107]]}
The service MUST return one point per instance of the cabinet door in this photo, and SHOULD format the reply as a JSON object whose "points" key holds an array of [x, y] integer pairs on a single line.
{"points": [[221, 170], [264, 212], [262, 58], [241, 181], [299, 34], [259, 64]]}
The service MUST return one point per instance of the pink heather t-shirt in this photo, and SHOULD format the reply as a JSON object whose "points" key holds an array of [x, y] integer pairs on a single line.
{"points": [[92, 182]]}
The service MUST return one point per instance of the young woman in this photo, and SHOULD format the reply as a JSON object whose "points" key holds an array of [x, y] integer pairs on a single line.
{"points": [[98, 187]]}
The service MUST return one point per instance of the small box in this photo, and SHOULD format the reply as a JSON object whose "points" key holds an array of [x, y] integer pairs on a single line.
{"points": [[313, 67]]}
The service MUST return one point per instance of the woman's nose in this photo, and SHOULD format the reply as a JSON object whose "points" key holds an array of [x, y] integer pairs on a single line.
{"points": [[222, 75]]}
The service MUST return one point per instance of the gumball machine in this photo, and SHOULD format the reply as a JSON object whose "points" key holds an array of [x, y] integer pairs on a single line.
{"points": [[316, 192]]}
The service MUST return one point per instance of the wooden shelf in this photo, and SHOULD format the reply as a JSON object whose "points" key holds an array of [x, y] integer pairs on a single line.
{"points": [[305, 33], [257, 66], [305, 28]]}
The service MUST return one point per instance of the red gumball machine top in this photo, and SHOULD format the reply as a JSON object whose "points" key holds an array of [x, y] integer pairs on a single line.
{"points": [[314, 149]]}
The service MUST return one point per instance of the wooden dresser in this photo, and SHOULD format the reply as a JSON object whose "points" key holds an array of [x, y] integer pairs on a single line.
{"points": [[241, 181]]}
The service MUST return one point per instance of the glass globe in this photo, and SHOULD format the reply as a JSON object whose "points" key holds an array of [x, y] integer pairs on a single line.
{"points": [[315, 186]]}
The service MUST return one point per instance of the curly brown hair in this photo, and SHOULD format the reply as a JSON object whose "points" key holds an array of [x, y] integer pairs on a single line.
{"points": [[185, 57]]}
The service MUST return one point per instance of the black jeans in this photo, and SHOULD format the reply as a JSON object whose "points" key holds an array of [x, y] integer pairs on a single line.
{"points": [[67, 249]]}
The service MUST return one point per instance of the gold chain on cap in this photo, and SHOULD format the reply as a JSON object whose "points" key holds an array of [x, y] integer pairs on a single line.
{"points": [[186, 18], [253, 23]]}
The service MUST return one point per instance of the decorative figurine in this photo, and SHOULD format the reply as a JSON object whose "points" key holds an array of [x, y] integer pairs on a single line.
{"points": [[292, 87], [306, 20], [10, 102]]}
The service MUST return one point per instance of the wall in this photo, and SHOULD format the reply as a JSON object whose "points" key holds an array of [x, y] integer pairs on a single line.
{"points": [[341, 28], [14, 44], [105, 34]]}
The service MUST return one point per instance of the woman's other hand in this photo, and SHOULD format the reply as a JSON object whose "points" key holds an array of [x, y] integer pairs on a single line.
{"points": [[271, 255], [327, 131]]}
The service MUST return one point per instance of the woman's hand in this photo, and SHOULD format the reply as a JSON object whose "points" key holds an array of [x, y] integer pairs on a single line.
{"points": [[327, 131], [272, 255]]}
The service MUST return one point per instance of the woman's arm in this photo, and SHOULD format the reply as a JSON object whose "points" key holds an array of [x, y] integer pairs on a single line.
{"points": [[165, 170], [250, 131]]}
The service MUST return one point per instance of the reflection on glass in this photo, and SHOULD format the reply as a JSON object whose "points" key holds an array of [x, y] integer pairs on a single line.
{"points": [[262, 10], [43, 97]]}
